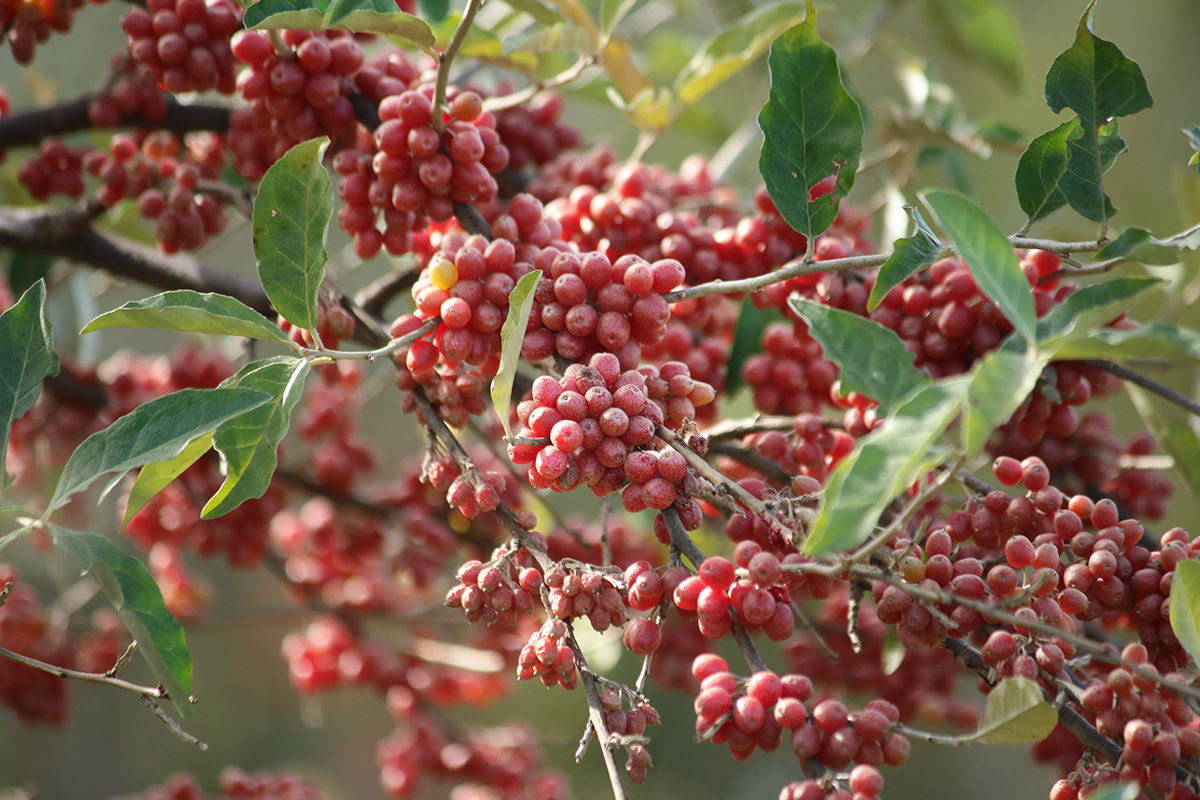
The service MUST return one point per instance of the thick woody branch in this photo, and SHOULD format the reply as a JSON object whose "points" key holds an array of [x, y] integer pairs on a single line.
{"points": [[31, 127], [68, 234]]}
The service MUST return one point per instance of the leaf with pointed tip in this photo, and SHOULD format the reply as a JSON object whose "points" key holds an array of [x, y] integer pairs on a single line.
{"points": [[153, 478], [1136, 244], [135, 595], [1178, 439], [1185, 606], [186, 310], [291, 213], [1040, 169], [1095, 80], [980, 31], [1000, 382], [1087, 308], [747, 340], [871, 358], [908, 256], [27, 357], [512, 339], [248, 443], [812, 129], [724, 55], [1016, 713], [884, 463], [576, 12], [157, 430], [988, 255]]}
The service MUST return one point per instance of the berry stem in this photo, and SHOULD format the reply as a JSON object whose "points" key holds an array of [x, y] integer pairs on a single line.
{"points": [[447, 58], [596, 719]]}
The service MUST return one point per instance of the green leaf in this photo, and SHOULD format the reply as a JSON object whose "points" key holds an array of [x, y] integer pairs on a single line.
{"points": [[154, 431], [25, 269], [721, 57], [872, 359], [1000, 382], [248, 444], [988, 255], [153, 478], [291, 213], [561, 36], [1179, 440], [1185, 606], [747, 340], [512, 339], [539, 11], [434, 10], [612, 12], [1136, 244], [1193, 137], [369, 16], [882, 465], [1016, 713], [185, 310], [1080, 186], [813, 129], [131, 589], [26, 358], [1149, 341], [982, 32], [908, 255], [1096, 81], [1088, 308]]}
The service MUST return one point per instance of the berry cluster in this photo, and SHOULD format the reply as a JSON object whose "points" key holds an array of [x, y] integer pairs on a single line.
{"points": [[185, 596], [548, 656], [294, 95], [131, 92], [754, 600], [498, 591], [584, 593], [57, 169], [535, 135], [27, 23], [164, 181], [184, 44], [629, 722], [33, 695]]}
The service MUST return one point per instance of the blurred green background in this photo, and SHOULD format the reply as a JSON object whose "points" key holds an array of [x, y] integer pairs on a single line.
{"points": [[248, 713]]}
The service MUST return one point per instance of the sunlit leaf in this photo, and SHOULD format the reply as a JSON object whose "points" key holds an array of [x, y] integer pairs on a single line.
{"points": [[1185, 606], [186, 310], [731, 50], [153, 478], [1136, 244], [1000, 382], [883, 464], [988, 255], [871, 358], [1016, 713], [1088, 308], [512, 339], [291, 213]]}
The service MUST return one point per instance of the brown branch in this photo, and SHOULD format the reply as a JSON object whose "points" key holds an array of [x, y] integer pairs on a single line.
{"points": [[1153, 386], [596, 718], [28, 128], [68, 234], [375, 297], [748, 458]]}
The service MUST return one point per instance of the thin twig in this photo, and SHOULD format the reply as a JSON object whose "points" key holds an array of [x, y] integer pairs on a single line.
{"points": [[596, 718], [447, 58], [1165, 392]]}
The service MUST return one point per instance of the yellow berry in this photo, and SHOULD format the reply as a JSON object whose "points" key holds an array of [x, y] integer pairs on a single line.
{"points": [[442, 272]]}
